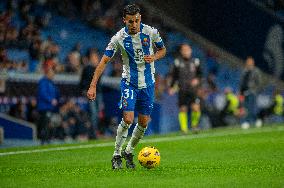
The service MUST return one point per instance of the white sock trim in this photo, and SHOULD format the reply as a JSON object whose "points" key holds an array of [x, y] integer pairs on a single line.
{"points": [[124, 125], [122, 132]]}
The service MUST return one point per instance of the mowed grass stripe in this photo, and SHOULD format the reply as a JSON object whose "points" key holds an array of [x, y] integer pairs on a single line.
{"points": [[150, 140]]}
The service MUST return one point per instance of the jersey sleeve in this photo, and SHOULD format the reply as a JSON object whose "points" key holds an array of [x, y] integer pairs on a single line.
{"points": [[158, 41], [111, 47]]}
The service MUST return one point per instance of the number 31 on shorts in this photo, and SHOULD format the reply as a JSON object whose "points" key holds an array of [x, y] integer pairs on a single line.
{"points": [[128, 93]]}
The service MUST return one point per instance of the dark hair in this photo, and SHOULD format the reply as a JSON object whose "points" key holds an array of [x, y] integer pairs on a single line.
{"points": [[131, 10]]}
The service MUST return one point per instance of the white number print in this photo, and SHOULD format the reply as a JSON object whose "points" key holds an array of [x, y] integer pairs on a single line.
{"points": [[126, 93]]}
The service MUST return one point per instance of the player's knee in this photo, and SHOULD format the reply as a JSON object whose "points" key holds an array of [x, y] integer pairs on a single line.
{"points": [[128, 120], [143, 122], [183, 108], [128, 117], [195, 107], [144, 125]]}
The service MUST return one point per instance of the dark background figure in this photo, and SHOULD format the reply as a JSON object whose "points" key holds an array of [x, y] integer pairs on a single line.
{"points": [[230, 112], [186, 74], [86, 78], [47, 103], [249, 86], [275, 108], [18, 110], [73, 60], [32, 113], [34, 52]]}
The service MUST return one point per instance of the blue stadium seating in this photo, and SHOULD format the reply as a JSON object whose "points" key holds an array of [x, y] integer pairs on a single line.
{"points": [[17, 129]]}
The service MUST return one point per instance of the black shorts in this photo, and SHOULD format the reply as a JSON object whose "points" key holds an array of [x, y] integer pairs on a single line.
{"points": [[186, 98]]}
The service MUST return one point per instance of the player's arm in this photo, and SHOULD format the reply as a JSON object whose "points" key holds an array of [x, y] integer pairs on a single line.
{"points": [[175, 77], [197, 79], [91, 94], [199, 72], [161, 52], [109, 53], [159, 44]]}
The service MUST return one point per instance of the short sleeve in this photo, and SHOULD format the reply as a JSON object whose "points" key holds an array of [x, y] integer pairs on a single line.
{"points": [[111, 47], [158, 41]]}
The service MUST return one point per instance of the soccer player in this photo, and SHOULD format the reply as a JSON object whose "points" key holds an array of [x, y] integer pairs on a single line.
{"points": [[249, 86], [136, 42], [186, 73]]}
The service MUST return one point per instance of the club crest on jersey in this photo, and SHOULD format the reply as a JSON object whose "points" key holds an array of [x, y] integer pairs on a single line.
{"points": [[124, 103], [145, 42]]}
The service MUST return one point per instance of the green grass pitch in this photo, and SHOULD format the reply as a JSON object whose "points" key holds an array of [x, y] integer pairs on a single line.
{"points": [[228, 157]]}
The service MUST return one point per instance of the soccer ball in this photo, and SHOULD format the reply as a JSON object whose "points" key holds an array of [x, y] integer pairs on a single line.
{"points": [[149, 157]]}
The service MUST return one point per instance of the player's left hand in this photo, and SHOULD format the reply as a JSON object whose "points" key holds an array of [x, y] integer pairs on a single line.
{"points": [[149, 58], [91, 94]]}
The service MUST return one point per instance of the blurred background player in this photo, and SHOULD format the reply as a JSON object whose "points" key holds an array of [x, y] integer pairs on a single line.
{"points": [[276, 108], [136, 42], [186, 74], [249, 86], [47, 103], [230, 112], [86, 78]]}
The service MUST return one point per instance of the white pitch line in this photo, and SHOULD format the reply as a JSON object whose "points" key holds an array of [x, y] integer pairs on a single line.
{"points": [[152, 140]]}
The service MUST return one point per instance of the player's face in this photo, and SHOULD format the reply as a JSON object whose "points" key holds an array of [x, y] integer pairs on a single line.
{"points": [[50, 73], [250, 63], [132, 22], [186, 51]]}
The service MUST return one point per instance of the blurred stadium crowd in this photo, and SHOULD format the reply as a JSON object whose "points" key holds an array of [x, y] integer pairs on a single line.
{"points": [[70, 39]]}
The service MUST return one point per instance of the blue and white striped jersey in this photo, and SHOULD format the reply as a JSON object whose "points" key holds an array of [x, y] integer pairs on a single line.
{"points": [[133, 48]]}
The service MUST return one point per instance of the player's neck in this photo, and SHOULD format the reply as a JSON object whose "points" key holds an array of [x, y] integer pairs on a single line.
{"points": [[132, 34], [186, 58]]}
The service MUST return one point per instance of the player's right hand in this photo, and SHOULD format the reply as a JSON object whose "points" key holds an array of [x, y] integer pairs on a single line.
{"points": [[149, 58], [91, 94]]}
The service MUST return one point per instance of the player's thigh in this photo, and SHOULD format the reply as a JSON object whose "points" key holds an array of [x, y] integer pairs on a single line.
{"points": [[183, 99], [195, 106], [145, 100], [194, 102], [183, 108], [128, 97]]}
